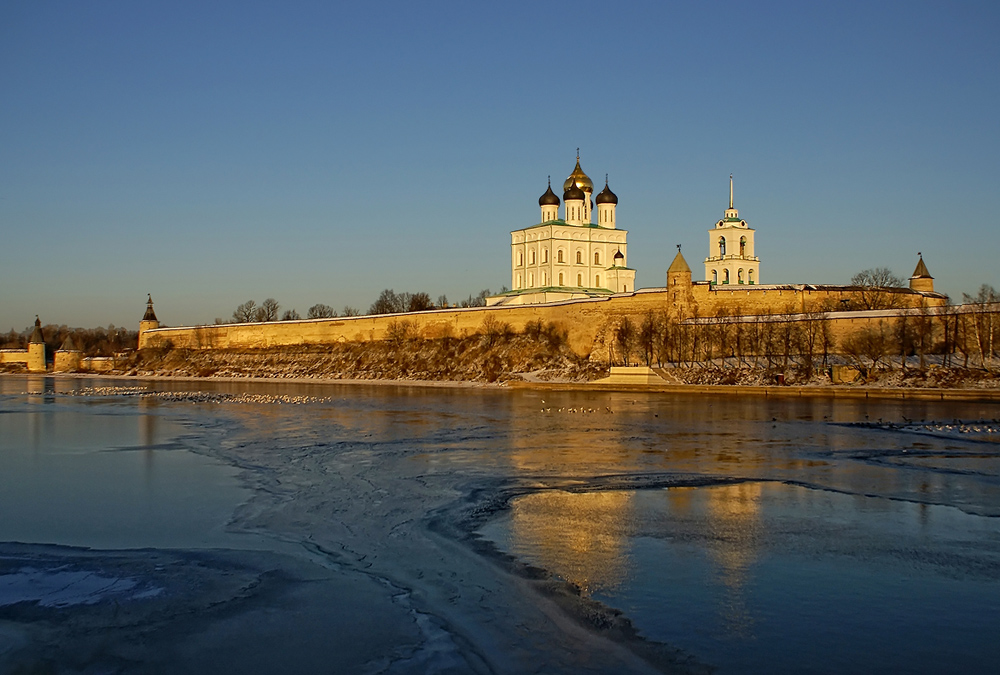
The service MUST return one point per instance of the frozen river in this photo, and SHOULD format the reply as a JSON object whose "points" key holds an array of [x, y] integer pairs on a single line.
{"points": [[169, 526]]}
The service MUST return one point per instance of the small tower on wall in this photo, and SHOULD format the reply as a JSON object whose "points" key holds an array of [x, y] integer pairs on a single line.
{"points": [[549, 203], [68, 357], [679, 284], [921, 280], [731, 259], [607, 201], [36, 349], [149, 320]]}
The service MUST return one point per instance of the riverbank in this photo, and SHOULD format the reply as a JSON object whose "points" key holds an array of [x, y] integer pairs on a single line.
{"points": [[855, 391]]}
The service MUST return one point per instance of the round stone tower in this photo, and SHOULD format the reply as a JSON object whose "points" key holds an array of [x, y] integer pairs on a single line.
{"points": [[36, 349], [149, 321]]}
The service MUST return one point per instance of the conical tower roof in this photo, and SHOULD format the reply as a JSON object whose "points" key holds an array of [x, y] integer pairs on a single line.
{"points": [[67, 345], [150, 315], [679, 264], [36, 335], [921, 271]]}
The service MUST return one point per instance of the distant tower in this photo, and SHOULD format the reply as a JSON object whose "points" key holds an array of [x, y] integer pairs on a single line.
{"points": [[607, 201], [550, 204], [149, 320], [36, 349], [921, 280], [582, 181], [731, 259], [68, 357]]}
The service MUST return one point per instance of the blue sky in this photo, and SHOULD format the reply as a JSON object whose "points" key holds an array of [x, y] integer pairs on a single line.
{"points": [[209, 153]]}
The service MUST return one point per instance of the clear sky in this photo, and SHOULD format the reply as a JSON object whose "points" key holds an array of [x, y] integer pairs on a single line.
{"points": [[213, 152]]}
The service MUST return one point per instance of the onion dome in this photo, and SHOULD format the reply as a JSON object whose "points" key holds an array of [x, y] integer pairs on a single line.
{"points": [[606, 196], [573, 191], [581, 179], [618, 256], [36, 335], [549, 198], [149, 315]]}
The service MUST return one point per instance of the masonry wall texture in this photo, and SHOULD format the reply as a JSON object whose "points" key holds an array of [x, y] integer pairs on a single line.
{"points": [[587, 322]]}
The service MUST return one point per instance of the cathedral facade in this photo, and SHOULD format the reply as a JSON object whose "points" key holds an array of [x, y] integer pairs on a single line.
{"points": [[570, 257]]}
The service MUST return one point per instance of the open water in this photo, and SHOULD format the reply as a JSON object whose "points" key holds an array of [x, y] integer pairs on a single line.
{"points": [[730, 533]]}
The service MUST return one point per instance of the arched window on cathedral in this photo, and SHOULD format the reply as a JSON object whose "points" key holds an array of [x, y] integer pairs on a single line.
{"points": [[579, 280], [532, 257], [520, 259], [739, 276], [545, 279], [597, 257], [531, 280], [743, 247], [518, 285], [597, 281], [545, 255], [579, 257], [750, 276], [725, 277], [715, 276], [722, 246], [560, 278], [559, 255]]}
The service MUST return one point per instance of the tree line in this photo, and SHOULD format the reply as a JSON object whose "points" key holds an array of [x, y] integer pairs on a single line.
{"points": [[388, 302], [963, 336], [91, 341]]}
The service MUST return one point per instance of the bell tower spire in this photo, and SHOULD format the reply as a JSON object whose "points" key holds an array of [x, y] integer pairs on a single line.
{"points": [[730, 190]]}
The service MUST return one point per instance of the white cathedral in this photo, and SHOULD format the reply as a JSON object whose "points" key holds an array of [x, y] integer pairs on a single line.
{"points": [[572, 257]]}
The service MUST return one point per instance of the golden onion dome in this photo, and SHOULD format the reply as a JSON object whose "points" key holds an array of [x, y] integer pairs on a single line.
{"points": [[581, 179]]}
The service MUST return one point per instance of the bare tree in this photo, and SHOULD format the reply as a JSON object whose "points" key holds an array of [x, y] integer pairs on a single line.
{"points": [[388, 302], [983, 321], [321, 311], [648, 331], [442, 301], [290, 315], [268, 310], [246, 312], [350, 311], [419, 302], [875, 288], [493, 330], [868, 347], [625, 338]]}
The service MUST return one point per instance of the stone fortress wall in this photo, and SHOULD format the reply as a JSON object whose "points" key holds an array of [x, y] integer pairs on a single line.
{"points": [[587, 322]]}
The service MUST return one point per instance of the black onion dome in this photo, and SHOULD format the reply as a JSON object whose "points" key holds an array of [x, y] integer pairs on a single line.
{"points": [[619, 255], [549, 198], [606, 196], [574, 192]]}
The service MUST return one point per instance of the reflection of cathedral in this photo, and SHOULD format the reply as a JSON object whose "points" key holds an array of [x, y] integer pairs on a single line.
{"points": [[570, 257]]}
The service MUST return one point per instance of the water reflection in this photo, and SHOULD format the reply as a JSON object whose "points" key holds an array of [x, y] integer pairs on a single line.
{"points": [[583, 536]]}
